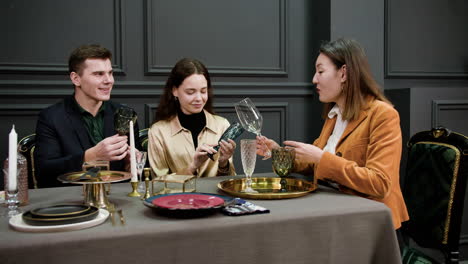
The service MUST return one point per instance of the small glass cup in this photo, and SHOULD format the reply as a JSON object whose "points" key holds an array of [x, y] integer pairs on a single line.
{"points": [[102, 164], [122, 118], [173, 183], [283, 163]]}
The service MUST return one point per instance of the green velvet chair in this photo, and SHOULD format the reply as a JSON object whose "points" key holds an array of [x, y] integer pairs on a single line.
{"points": [[143, 135], [26, 147], [434, 192]]}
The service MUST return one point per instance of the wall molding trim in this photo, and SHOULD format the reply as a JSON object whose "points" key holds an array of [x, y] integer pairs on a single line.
{"points": [[152, 68], [464, 240], [62, 68], [446, 105], [389, 67], [53, 89]]}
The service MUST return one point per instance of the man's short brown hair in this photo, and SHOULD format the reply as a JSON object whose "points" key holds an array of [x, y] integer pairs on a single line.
{"points": [[82, 53]]}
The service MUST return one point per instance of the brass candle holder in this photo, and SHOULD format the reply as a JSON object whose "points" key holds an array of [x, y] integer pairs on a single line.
{"points": [[95, 195], [134, 192], [147, 184]]}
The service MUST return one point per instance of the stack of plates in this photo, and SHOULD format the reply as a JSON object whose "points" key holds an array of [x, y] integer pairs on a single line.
{"points": [[59, 218], [60, 214], [186, 205]]}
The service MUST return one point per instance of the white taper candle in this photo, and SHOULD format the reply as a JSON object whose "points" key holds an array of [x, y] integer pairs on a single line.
{"points": [[133, 167], [12, 159]]}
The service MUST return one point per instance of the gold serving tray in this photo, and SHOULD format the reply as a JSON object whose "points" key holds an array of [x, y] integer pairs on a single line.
{"points": [[104, 177], [268, 188]]}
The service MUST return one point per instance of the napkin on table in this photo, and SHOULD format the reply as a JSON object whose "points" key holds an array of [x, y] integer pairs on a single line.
{"points": [[242, 207]]}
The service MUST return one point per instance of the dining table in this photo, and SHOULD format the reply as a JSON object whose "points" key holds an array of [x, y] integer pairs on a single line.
{"points": [[324, 226]]}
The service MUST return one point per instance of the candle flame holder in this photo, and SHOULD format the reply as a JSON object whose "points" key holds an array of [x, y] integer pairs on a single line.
{"points": [[134, 192]]}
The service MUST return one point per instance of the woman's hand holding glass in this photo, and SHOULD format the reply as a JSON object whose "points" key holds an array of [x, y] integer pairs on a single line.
{"points": [[305, 153], [264, 145], [201, 156], [226, 150], [251, 119]]}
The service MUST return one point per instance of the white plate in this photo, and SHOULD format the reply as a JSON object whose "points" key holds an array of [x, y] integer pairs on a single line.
{"points": [[17, 223]]}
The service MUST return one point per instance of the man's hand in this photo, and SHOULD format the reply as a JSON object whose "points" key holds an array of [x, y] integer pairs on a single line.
{"points": [[110, 149]]}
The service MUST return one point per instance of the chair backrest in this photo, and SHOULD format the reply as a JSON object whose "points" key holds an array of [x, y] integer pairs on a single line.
{"points": [[434, 189], [26, 146], [143, 135]]}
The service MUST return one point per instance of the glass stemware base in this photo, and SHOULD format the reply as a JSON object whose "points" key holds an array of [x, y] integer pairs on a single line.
{"points": [[141, 187], [12, 202], [248, 187]]}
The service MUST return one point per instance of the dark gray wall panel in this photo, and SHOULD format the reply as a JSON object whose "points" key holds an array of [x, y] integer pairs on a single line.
{"points": [[426, 38], [240, 38], [451, 113], [38, 36], [363, 21]]}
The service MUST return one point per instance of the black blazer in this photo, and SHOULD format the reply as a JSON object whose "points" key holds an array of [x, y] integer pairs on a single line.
{"points": [[62, 139]]}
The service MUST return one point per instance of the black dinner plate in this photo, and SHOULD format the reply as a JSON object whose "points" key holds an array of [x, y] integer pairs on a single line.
{"points": [[87, 215], [185, 213], [60, 210]]}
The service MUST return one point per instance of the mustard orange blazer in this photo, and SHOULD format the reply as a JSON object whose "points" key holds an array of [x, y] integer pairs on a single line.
{"points": [[367, 158]]}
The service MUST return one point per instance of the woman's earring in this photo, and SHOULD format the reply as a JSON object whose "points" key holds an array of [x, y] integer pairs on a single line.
{"points": [[176, 98]]}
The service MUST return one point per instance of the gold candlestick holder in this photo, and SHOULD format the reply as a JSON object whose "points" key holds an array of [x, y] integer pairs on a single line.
{"points": [[134, 192], [147, 184]]}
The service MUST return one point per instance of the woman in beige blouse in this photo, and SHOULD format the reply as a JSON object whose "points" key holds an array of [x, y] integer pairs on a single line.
{"points": [[186, 129]]}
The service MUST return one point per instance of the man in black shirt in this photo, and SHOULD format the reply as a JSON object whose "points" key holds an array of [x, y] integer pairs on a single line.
{"points": [[81, 127]]}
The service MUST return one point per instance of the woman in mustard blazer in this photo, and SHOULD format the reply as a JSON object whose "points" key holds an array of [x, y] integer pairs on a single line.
{"points": [[359, 148]]}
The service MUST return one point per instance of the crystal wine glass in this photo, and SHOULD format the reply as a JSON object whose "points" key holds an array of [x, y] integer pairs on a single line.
{"points": [[250, 118], [140, 162], [248, 157], [122, 118]]}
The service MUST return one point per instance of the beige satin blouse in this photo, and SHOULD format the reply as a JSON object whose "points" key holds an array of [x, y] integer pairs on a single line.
{"points": [[171, 148]]}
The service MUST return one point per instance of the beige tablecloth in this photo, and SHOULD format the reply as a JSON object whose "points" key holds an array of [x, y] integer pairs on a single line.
{"points": [[322, 227]]}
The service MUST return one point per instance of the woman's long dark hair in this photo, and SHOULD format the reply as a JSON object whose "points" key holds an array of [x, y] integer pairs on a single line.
{"points": [[359, 81], [184, 68]]}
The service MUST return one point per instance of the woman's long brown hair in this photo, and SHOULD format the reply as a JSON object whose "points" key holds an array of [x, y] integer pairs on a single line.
{"points": [[359, 82], [184, 68]]}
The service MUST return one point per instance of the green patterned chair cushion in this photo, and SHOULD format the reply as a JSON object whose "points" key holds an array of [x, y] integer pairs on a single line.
{"points": [[430, 181], [413, 256], [143, 136]]}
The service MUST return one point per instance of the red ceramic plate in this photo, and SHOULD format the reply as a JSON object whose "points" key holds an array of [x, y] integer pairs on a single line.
{"points": [[188, 201]]}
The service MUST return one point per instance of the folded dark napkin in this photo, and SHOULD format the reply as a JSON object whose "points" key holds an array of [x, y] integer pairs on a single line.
{"points": [[91, 174], [241, 207]]}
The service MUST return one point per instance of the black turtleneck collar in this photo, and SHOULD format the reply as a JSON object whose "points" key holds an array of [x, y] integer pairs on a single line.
{"points": [[194, 122]]}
